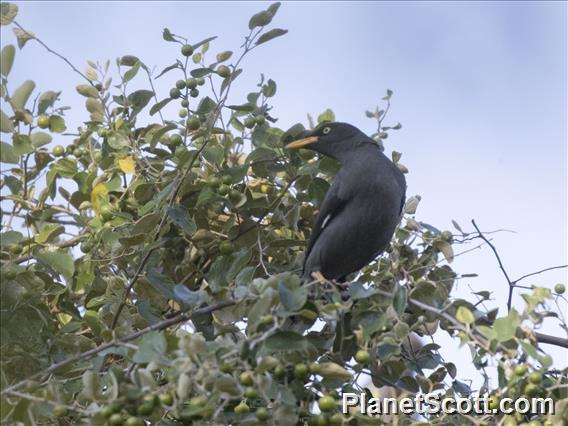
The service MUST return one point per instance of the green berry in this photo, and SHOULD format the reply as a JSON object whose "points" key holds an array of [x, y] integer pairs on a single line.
{"points": [[260, 119], [315, 368], [176, 139], [191, 83], [180, 84], [43, 121], [184, 103], [245, 378], [59, 411], [166, 399], [58, 151], [186, 50], [223, 189], [251, 392], [175, 93], [182, 113], [223, 71], [362, 356], [560, 288], [249, 122], [301, 371], [242, 408], [134, 421], [227, 179], [116, 420], [326, 403], [535, 377], [193, 123], [194, 93], [234, 196], [200, 81], [262, 414]]}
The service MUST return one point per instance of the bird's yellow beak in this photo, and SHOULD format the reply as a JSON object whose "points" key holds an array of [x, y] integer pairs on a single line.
{"points": [[302, 142]]}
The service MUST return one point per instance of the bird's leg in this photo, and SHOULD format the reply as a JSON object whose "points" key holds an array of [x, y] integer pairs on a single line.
{"points": [[317, 275]]}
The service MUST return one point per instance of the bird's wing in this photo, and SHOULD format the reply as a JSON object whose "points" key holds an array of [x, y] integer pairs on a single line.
{"points": [[331, 206]]}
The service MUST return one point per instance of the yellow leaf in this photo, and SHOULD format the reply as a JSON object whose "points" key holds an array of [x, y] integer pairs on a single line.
{"points": [[99, 197], [127, 165]]}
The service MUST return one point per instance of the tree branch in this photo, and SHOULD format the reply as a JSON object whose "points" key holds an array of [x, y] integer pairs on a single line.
{"points": [[161, 325]]}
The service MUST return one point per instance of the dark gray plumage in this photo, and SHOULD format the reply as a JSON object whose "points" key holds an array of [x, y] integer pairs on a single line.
{"points": [[362, 208]]}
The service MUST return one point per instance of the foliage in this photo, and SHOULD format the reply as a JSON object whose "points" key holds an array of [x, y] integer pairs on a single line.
{"points": [[148, 265]]}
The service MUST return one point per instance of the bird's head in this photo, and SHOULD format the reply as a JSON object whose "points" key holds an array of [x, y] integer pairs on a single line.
{"points": [[331, 139]]}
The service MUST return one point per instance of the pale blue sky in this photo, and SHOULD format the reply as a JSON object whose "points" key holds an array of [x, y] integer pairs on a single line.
{"points": [[479, 87]]}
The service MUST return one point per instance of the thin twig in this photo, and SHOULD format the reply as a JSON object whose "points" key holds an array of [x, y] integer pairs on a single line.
{"points": [[160, 325], [511, 283], [538, 272]]}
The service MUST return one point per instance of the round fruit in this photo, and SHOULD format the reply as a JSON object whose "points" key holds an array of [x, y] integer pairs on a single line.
{"points": [[336, 419], [251, 393], [362, 356], [86, 246], [265, 188], [107, 411], [301, 371], [227, 179], [262, 414], [106, 213], [223, 71], [193, 123], [223, 189], [315, 368], [175, 93], [58, 151], [145, 409], [187, 50], [306, 154], [43, 121], [260, 119], [101, 131], [326, 403], [180, 84], [191, 83], [560, 288], [98, 156], [59, 411], [176, 139], [200, 81], [134, 421], [245, 377], [182, 113], [226, 248], [279, 372], [185, 103], [116, 420], [166, 398], [242, 408], [194, 93], [79, 152], [535, 377], [234, 195], [532, 390], [213, 182], [249, 122], [70, 148], [520, 370]]}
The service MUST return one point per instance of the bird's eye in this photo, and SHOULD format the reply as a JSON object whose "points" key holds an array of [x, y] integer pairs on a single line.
{"points": [[326, 130]]}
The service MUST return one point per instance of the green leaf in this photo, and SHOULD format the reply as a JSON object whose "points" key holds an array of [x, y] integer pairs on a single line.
{"points": [[167, 35], [180, 216], [331, 370], [260, 19], [46, 100], [22, 36], [293, 295], [169, 68], [157, 107], [200, 72], [22, 144], [7, 154], [117, 140], [399, 301], [326, 116], [87, 90], [189, 298], [286, 341], [269, 89], [269, 35], [8, 53], [151, 347], [139, 99], [48, 233], [317, 190], [66, 167], [164, 285], [506, 327], [21, 95], [131, 73], [8, 12], [244, 107], [214, 154], [464, 315], [202, 42], [40, 138], [57, 124], [60, 260], [10, 237], [6, 125]]}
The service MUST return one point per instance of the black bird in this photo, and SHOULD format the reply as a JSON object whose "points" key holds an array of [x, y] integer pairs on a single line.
{"points": [[362, 208]]}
